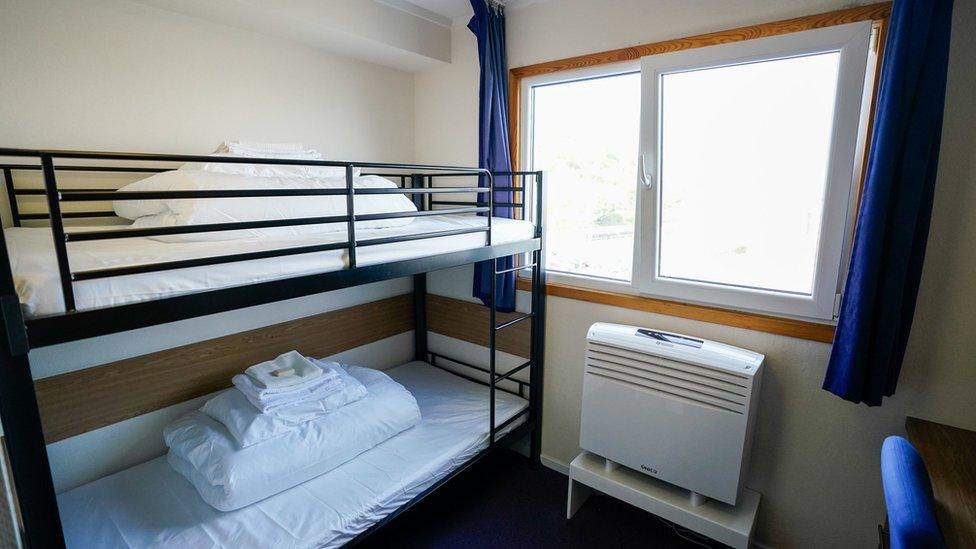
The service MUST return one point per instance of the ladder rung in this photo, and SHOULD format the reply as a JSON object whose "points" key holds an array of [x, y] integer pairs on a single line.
{"points": [[504, 325], [513, 371], [513, 269]]}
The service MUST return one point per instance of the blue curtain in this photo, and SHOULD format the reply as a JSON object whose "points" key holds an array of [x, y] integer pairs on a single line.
{"points": [[896, 205], [488, 25]]}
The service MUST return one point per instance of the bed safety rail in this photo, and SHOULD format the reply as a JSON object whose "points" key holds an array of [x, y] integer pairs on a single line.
{"points": [[418, 182]]}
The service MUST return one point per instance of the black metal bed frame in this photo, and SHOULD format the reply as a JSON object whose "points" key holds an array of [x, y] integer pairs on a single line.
{"points": [[18, 403]]}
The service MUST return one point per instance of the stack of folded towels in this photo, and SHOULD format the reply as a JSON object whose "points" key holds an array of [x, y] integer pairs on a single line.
{"points": [[285, 421], [291, 381]]}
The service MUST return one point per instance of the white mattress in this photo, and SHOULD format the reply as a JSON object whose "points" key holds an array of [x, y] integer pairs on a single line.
{"points": [[36, 275], [150, 505]]}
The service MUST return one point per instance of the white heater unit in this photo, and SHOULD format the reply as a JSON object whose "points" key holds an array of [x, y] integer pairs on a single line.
{"points": [[674, 407]]}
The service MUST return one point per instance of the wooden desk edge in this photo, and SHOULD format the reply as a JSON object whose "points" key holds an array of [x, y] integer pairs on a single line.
{"points": [[949, 454]]}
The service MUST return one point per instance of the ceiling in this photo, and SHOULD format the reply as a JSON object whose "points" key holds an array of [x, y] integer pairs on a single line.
{"points": [[410, 35], [452, 9], [460, 9], [405, 36]]}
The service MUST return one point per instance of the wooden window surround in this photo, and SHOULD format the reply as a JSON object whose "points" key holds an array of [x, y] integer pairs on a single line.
{"points": [[877, 13]]}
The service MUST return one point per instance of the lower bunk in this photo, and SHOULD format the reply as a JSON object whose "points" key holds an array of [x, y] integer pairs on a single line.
{"points": [[151, 505]]}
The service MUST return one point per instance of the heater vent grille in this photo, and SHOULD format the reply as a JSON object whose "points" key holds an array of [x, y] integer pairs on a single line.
{"points": [[711, 387]]}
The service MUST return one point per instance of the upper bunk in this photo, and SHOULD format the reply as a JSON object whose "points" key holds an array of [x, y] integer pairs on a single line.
{"points": [[205, 234]]}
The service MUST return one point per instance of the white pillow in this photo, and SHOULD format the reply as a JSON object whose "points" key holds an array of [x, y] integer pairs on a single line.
{"points": [[241, 149], [253, 149], [229, 477], [272, 170], [249, 426], [157, 213]]}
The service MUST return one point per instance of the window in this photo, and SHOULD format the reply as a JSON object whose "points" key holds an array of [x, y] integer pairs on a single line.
{"points": [[735, 187], [750, 215], [586, 135]]}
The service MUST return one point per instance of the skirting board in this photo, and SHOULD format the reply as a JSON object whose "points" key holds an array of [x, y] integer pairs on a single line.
{"points": [[554, 464], [732, 526]]}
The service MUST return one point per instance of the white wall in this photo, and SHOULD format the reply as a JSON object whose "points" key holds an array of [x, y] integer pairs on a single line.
{"points": [[115, 75], [815, 456], [392, 33], [120, 76]]}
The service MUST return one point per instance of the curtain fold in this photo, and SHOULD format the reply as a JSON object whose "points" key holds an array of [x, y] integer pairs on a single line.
{"points": [[488, 25], [896, 205]]}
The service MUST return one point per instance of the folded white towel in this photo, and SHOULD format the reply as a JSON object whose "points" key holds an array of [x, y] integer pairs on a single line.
{"points": [[286, 370], [249, 426], [329, 372], [271, 399]]}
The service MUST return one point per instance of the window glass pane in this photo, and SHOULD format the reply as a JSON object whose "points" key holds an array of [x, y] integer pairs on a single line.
{"points": [[744, 155], [585, 136]]}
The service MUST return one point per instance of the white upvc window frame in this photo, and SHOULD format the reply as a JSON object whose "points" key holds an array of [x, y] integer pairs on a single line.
{"points": [[852, 41], [526, 133]]}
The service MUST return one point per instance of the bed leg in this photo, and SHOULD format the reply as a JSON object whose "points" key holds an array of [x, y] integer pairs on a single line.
{"points": [[538, 340], [21, 419], [420, 317], [535, 450]]}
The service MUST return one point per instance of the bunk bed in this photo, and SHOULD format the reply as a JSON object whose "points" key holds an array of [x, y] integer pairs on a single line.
{"points": [[62, 282]]}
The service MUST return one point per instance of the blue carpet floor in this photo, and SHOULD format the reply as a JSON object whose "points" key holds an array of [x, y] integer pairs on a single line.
{"points": [[503, 502]]}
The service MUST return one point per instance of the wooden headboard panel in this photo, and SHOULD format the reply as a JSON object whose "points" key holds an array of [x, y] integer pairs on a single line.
{"points": [[81, 401], [84, 400], [469, 322]]}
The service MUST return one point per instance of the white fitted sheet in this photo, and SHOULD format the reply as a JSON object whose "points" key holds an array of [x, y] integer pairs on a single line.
{"points": [[35, 270], [150, 505]]}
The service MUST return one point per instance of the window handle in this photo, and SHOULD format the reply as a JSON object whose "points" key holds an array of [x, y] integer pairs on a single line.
{"points": [[645, 179]]}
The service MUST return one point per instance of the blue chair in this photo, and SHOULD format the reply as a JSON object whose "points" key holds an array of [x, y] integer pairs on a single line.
{"points": [[908, 497]]}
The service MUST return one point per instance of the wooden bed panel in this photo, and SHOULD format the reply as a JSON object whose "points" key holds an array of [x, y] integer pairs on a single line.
{"points": [[469, 322], [84, 400], [80, 401]]}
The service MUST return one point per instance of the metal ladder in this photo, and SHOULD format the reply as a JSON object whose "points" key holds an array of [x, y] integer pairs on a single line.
{"points": [[536, 312]]}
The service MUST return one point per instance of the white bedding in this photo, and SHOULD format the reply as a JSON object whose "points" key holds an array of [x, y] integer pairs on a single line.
{"points": [[36, 275], [230, 477], [150, 505], [180, 213]]}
